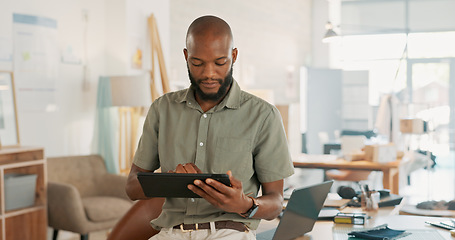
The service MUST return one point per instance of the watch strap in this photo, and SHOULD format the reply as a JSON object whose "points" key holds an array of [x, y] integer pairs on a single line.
{"points": [[250, 213]]}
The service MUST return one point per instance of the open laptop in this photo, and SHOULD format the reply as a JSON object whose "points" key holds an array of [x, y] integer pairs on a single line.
{"points": [[300, 214]]}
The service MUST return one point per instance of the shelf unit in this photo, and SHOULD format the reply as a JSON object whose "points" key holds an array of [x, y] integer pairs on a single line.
{"points": [[30, 222]]}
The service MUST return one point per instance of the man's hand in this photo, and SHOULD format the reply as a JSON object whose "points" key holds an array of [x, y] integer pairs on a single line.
{"points": [[229, 199], [232, 199], [187, 168]]}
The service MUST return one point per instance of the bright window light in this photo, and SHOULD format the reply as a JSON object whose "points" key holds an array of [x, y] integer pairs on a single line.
{"points": [[373, 47], [431, 45], [381, 76]]}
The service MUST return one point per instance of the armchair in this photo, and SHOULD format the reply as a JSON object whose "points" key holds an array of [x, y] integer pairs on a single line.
{"points": [[82, 196]]}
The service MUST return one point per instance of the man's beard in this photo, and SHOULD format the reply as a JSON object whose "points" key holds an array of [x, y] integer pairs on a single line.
{"points": [[212, 96]]}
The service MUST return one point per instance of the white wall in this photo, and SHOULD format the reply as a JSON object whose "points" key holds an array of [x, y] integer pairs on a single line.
{"points": [[127, 29], [320, 50], [69, 129], [273, 39]]}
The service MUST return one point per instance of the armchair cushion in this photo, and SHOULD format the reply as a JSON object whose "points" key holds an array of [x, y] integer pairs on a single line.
{"points": [[103, 208]]}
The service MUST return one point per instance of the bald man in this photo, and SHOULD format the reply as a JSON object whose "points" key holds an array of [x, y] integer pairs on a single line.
{"points": [[214, 127]]}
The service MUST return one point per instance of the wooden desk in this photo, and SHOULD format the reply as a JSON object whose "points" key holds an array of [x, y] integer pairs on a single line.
{"points": [[325, 229], [390, 170]]}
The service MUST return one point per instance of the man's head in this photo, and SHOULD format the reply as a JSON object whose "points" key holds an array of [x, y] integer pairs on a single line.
{"points": [[210, 54]]}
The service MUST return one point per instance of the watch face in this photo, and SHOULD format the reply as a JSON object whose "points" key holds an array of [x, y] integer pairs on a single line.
{"points": [[250, 213], [254, 210]]}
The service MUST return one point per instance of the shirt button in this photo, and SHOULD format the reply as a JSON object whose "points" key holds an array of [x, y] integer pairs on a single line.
{"points": [[205, 115], [201, 144], [189, 103], [192, 199]]}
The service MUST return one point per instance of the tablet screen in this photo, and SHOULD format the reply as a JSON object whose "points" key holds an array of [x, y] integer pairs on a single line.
{"points": [[174, 184]]}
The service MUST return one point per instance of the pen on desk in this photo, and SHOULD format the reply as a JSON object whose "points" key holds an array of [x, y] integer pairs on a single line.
{"points": [[448, 224], [343, 206]]}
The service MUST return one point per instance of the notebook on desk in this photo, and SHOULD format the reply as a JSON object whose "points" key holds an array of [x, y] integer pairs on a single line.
{"points": [[340, 232], [300, 214]]}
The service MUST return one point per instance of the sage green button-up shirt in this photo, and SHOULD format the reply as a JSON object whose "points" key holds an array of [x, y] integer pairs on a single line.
{"points": [[243, 134]]}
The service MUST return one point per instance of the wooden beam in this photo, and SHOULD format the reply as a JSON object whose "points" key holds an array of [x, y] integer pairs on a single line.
{"points": [[157, 50]]}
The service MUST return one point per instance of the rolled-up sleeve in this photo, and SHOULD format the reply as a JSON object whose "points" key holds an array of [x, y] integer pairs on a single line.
{"points": [[272, 160], [146, 155]]}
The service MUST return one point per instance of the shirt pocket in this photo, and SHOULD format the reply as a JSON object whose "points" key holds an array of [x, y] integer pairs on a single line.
{"points": [[234, 154]]}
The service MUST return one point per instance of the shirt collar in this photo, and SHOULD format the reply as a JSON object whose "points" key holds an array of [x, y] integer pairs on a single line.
{"points": [[187, 96], [231, 100]]}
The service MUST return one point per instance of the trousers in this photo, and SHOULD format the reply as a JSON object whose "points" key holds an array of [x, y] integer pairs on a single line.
{"points": [[204, 234]]}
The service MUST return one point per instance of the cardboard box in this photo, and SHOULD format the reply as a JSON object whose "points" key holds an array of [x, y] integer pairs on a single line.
{"points": [[381, 153], [19, 190], [412, 125]]}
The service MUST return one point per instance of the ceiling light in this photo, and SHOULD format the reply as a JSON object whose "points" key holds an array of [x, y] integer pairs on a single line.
{"points": [[330, 35]]}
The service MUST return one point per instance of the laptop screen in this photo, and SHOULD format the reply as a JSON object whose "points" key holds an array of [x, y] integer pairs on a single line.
{"points": [[302, 211]]}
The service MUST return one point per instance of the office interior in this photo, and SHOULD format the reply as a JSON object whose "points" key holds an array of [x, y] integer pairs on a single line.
{"points": [[397, 48]]}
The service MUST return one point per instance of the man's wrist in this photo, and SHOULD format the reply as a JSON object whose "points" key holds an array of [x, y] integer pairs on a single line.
{"points": [[249, 205], [252, 210]]}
